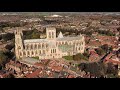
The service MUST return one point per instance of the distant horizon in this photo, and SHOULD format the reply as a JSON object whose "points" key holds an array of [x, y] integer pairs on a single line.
{"points": [[58, 13]]}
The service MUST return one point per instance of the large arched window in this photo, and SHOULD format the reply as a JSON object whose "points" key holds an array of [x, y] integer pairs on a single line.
{"points": [[55, 50], [38, 46], [82, 43], [24, 53], [46, 45], [31, 46], [35, 46], [43, 51], [52, 34], [40, 52], [20, 53], [32, 53], [26, 47], [35, 52], [43, 45], [66, 43], [81, 48], [51, 50], [49, 34], [28, 52]]}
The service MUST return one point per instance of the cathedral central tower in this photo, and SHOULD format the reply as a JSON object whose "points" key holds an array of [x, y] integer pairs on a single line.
{"points": [[51, 33]]}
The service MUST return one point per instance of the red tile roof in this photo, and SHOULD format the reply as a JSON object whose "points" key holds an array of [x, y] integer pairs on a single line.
{"points": [[57, 68], [34, 74], [113, 61], [108, 56], [39, 64], [94, 43]]}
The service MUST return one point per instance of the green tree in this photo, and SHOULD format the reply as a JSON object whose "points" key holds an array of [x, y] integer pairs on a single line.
{"points": [[105, 47], [3, 58], [111, 48], [86, 54], [111, 70], [10, 46], [108, 33], [0, 37], [35, 35], [98, 69], [10, 76], [8, 36], [100, 51], [1, 29], [118, 29]]}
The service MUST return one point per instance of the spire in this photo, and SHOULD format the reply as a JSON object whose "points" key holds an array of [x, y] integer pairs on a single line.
{"points": [[80, 35], [60, 35]]}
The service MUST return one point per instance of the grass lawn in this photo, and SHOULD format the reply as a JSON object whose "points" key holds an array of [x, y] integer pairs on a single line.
{"points": [[35, 57], [68, 57]]}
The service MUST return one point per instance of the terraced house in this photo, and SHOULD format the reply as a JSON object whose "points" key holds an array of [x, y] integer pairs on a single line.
{"points": [[51, 47]]}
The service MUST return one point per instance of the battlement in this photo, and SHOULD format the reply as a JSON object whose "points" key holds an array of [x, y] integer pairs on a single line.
{"points": [[50, 28]]}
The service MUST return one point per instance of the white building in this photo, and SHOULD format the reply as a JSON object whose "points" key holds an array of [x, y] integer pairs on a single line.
{"points": [[51, 47]]}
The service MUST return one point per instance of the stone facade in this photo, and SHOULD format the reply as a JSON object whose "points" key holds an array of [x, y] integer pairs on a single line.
{"points": [[51, 47]]}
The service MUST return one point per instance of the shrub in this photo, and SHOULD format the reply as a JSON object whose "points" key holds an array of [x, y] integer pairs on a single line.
{"points": [[100, 51]]}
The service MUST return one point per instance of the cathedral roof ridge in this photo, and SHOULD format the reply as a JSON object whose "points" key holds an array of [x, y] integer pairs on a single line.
{"points": [[35, 40], [70, 38]]}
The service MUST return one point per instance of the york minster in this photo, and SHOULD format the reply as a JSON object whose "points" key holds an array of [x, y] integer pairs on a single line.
{"points": [[51, 47]]}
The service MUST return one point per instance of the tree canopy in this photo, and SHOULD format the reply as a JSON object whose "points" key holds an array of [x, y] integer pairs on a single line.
{"points": [[108, 33], [100, 51], [3, 58], [105, 47], [8, 36], [10, 46], [12, 24], [33, 34], [98, 69]]}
